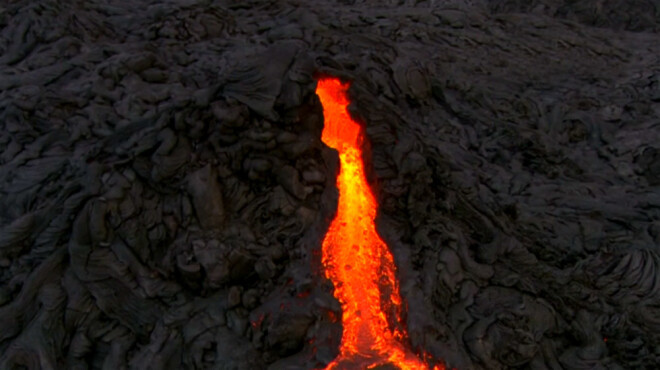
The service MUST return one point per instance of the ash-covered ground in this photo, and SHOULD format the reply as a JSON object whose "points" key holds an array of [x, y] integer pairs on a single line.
{"points": [[164, 189]]}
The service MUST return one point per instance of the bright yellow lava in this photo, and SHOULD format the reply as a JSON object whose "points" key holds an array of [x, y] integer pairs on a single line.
{"points": [[355, 258]]}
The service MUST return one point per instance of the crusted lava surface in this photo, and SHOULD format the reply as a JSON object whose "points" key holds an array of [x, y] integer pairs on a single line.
{"points": [[165, 190]]}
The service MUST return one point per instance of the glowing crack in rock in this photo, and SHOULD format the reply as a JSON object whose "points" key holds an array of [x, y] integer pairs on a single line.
{"points": [[354, 257]]}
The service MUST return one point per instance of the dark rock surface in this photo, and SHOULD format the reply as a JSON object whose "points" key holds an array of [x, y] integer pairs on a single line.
{"points": [[164, 189]]}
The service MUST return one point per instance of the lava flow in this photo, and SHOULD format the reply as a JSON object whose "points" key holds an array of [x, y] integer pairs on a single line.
{"points": [[355, 258]]}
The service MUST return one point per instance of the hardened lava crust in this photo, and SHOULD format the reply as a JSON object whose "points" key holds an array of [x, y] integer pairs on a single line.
{"points": [[165, 190]]}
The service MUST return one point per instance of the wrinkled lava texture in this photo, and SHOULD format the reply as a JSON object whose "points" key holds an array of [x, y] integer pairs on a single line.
{"points": [[165, 191]]}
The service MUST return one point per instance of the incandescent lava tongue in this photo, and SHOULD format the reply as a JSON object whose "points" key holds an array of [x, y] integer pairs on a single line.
{"points": [[355, 258]]}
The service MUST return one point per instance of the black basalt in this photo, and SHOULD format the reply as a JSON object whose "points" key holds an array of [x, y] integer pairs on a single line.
{"points": [[164, 190]]}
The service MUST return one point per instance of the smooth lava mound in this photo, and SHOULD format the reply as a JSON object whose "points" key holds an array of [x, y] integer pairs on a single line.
{"points": [[355, 258]]}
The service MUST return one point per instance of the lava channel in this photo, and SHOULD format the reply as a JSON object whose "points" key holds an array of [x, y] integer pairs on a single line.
{"points": [[354, 257]]}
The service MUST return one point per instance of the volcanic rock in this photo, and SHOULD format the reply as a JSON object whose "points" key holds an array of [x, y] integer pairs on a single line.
{"points": [[164, 189]]}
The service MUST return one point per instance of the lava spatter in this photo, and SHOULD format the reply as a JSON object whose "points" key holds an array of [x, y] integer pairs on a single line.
{"points": [[354, 257]]}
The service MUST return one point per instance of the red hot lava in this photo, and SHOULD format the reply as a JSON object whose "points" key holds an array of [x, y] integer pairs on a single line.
{"points": [[355, 258]]}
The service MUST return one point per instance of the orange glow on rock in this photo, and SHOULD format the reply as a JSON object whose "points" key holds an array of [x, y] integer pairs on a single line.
{"points": [[354, 257]]}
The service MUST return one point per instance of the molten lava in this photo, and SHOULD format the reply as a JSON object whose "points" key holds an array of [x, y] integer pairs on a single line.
{"points": [[355, 258]]}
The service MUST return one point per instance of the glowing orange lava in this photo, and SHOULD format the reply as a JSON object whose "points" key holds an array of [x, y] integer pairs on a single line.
{"points": [[355, 258]]}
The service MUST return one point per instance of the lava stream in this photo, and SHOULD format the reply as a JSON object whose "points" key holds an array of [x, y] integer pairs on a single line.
{"points": [[355, 258]]}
